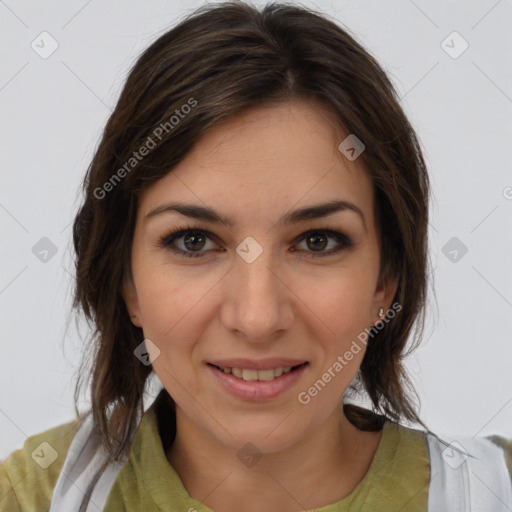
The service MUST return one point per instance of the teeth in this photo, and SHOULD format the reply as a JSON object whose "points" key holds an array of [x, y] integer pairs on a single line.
{"points": [[251, 375]]}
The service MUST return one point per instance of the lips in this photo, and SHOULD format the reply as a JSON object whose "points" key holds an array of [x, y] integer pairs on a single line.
{"points": [[259, 375], [257, 390], [263, 364]]}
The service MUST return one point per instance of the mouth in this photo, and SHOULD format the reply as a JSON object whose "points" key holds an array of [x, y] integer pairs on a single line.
{"points": [[257, 385], [251, 375]]}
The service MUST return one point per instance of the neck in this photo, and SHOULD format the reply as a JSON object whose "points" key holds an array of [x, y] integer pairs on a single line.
{"points": [[319, 470]]}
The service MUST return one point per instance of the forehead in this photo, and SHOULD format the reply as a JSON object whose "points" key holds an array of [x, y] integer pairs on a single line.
{"points": [[285, 155]]}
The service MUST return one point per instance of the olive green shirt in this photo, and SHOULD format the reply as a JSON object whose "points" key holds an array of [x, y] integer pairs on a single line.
{"points": [[398, 477]]}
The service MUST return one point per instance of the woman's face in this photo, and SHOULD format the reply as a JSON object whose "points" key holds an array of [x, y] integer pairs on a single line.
{"points": [[258, 289]]}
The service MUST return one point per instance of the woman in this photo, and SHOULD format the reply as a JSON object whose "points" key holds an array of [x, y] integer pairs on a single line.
{"points": [[254, 231]]}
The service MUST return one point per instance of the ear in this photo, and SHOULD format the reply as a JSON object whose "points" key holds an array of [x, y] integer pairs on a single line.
{"points": [[131, 300], [384, 294]]}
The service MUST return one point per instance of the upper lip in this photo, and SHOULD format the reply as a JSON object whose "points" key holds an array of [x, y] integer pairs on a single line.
{"points": [[262, 364]]}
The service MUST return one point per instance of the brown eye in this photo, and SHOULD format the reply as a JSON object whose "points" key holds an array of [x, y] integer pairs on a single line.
{"points": [[317, 242], [188, 242], [194, 241]]}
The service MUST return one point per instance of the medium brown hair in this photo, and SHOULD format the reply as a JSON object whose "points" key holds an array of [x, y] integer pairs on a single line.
{"points": [[230, 57]]}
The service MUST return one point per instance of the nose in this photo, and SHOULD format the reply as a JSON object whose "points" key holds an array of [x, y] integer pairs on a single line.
{"points": [[257, 302]]}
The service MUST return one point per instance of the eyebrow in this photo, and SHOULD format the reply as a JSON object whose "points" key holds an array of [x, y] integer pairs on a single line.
{"points": [[308, 213]]}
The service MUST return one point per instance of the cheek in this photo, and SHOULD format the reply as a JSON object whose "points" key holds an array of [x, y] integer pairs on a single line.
{"points": [[341, 303], [170, 308], [170, 298]]}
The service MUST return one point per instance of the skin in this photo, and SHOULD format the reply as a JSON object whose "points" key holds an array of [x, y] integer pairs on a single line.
{"points": [[255, 168]]}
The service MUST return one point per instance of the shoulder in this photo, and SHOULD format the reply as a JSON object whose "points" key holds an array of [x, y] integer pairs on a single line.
{"points": [[406, 437], [29, 475], [413, 437]]}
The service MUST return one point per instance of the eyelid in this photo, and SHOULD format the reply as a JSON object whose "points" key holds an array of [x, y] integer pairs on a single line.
{"points": [[180, 231]]}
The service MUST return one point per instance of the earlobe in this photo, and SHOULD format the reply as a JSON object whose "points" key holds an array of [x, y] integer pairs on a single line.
{"points": [[136, 321], [132, 303], [384, 294]]}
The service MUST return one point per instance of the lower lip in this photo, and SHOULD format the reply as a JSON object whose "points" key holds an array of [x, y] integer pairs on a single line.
{"points": [[256, 390]]}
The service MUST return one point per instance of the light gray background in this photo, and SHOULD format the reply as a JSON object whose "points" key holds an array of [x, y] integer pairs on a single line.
{"points": [[52, 114]]}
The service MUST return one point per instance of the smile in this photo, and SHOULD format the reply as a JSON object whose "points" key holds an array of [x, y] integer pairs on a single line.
{"points": [[257, 385], [252, 375]]}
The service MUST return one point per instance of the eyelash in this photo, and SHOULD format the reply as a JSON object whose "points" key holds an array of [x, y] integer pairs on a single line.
{"points": [[179, 232]]}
